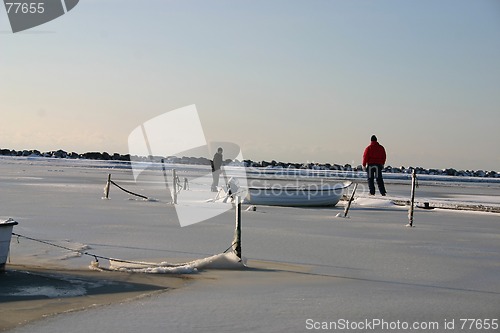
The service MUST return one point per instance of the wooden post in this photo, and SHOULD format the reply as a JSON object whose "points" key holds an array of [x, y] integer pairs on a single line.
{"points": [[346, 210], [164, 173], [237, 230], [174, 181], [108, 185], [412, 202]]}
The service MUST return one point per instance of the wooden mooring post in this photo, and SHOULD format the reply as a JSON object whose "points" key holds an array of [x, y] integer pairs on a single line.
{"points": [[237, 229], [348, 206], [174, 182], [106, 188], [164, 173], [412, 200]]}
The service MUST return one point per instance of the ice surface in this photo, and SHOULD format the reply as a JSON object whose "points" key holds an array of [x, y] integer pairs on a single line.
{"points": [[50, 291], [302, 263]]}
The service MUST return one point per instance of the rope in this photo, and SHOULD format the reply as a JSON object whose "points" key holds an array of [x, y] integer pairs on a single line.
{"points": [[129, 192], [229, 248], [177, 181], [97, 257], [178, 184]]}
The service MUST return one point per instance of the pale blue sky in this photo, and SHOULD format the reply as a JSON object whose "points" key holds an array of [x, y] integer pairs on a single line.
{"points": [[287, 80]]}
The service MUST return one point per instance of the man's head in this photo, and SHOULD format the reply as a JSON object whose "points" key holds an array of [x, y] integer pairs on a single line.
{"points": [[374, 138], [219, 150]]}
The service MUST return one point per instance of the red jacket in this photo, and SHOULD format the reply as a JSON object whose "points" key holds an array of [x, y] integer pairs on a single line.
{"points": [[374, 154]]}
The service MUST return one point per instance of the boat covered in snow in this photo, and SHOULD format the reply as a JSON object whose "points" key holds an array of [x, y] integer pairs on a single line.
{"points": [[294, 196]]}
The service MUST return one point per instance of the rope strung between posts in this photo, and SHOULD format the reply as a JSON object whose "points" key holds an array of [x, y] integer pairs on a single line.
{"points": [[229, 248], [178, 186], [97, 257], [129, 192]]}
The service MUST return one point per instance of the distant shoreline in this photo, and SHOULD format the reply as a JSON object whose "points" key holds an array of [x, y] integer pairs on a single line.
{"points": [[104, 156]]}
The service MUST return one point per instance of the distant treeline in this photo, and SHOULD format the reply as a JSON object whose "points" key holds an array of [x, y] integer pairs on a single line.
{"points": [[104, 156]]}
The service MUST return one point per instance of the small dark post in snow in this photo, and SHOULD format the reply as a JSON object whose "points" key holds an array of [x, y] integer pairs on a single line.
{"points": [[164, 173], [237, 230], [346, 210], [412, 202], [174, 178], [108, 185]]}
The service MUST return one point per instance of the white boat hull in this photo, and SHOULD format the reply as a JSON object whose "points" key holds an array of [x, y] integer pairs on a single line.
{"points": [[310, 196], [5, 236]]}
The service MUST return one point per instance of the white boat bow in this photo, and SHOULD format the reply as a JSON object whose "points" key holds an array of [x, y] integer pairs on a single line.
{"points": [[296, 196], [5, 236]]}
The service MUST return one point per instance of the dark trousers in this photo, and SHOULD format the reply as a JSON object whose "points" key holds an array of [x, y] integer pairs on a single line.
{"points": [[375, 171], [215, 176]]}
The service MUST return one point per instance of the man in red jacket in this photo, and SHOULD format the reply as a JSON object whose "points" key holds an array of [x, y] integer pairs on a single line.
{"points": [[373, 162]]}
